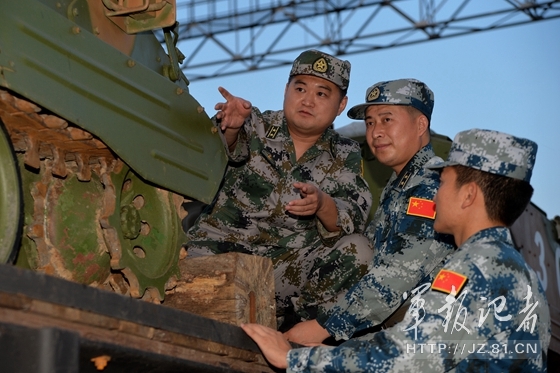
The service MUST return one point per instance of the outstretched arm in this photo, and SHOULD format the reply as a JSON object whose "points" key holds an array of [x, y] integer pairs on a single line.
{"points": [[231, 115]]}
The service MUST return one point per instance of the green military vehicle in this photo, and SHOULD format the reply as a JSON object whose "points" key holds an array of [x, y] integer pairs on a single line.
{"points": [[101, 142], [101, 145]]}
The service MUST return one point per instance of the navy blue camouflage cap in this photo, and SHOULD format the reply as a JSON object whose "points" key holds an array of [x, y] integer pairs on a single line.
{"points": [[408, 92], [322, 65], [494, 152]]}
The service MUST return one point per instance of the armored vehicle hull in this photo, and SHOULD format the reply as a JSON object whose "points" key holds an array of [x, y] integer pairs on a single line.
{"points": [[101, 143]]}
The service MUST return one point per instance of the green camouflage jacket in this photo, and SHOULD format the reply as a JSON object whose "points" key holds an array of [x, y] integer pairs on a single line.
{"points": [[248, 214]]}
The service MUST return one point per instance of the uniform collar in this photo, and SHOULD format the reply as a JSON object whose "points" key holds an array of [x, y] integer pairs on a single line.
{"points": [[325, 143], [490, 234], [416, 163]]}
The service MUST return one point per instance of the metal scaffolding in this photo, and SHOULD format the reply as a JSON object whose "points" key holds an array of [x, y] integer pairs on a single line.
{"points": [[226, 37]]}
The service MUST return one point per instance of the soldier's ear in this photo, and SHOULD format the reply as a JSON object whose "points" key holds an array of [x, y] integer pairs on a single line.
{"points": [[423, 124], [469, 192], [342, 105]]}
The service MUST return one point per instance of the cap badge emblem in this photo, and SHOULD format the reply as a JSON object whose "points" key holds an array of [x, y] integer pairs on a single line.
{"points": [[320, 65], [373, 95]]}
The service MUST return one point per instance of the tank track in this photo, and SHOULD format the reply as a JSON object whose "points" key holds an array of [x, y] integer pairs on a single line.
{"points": [[47, 136], [56, 150]]}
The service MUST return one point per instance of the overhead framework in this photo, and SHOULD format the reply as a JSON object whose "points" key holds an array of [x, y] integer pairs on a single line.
{"points": [[226, 37]]}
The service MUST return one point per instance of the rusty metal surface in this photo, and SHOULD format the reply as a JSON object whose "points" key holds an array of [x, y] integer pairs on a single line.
{"points": [[42, 135], [60, 234], [88, 217]]}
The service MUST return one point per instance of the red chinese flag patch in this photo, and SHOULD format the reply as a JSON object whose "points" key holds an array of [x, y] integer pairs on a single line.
{"points": [[446, 280], [421, 207]]}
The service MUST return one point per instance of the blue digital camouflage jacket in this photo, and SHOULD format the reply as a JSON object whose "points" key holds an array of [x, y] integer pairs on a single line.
{"points": [[494, 318], [406, 250]]}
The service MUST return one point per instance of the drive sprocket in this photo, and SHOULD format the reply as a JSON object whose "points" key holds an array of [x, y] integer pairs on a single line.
{"points": [[143, 233]]}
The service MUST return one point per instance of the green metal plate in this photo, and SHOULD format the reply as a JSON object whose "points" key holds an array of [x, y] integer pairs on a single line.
{"points": [[10, 200], [153, 124], [72, 208], [149, 234]]}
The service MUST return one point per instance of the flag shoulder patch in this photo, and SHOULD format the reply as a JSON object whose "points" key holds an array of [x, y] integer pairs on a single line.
{"points": [[421, 207], [448, 281]]}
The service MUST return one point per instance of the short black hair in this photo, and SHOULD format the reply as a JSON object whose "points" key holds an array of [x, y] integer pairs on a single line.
{"points": [[414, 113], [505, 198]]}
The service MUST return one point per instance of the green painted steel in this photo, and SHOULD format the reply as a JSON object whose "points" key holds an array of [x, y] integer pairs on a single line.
{"points": [[28, 257], [10, 200], [72, 208], [150, 236], [150, 122], [63, 214]]}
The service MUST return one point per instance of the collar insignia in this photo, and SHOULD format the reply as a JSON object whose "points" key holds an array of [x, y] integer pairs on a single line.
{"points": [[404, 179], [272, 132]]}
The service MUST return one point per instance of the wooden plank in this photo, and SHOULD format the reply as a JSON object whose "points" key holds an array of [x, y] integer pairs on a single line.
{"points": [[234, 288]]}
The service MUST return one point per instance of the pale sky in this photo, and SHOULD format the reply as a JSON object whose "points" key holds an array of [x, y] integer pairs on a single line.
{"points": [[506, 80]]}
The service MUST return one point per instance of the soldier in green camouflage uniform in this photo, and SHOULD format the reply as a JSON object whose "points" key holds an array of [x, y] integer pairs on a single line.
{"points": [[293, 190], [407, 251], [485, 311]]}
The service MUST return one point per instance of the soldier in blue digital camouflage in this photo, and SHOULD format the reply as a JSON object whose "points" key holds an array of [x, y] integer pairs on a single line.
{"points": [[293, 190], [407, 252], [486, 310]]}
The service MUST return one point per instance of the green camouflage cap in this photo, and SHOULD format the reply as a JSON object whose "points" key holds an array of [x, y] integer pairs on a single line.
{"points": [[408, 92], [317, 63], [494, 152]]}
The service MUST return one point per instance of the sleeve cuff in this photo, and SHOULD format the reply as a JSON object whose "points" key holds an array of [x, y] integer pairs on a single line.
{"points": [[339, 328], [344, 220], [328, 238], [241, 151], [298, 359]]}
